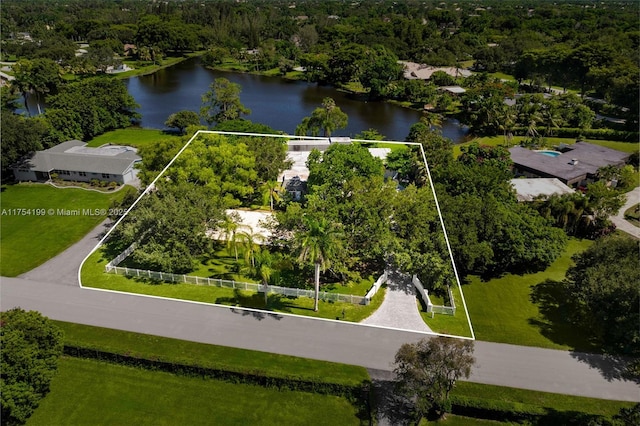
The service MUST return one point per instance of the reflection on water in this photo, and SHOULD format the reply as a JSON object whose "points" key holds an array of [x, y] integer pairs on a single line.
{"points": [[276, 102]]}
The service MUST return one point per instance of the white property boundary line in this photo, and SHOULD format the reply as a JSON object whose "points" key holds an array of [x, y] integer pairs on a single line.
{"points": [[196, 135]]}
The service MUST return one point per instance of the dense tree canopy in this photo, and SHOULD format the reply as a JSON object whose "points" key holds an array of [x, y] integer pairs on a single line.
{"points": [[603, 292], [31, 345], [20, 137], [84, 109], [428, 370], [182, 119]]}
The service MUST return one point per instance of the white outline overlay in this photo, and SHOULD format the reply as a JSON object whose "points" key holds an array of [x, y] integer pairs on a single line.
{"points": [[290, 137]]}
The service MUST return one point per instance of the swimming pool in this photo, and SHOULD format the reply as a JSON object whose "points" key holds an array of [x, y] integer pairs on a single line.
{"points": [[549, 153]]}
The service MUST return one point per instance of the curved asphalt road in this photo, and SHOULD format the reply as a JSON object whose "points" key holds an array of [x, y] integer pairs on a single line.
{"points": [[633, 198], [51, 290]]}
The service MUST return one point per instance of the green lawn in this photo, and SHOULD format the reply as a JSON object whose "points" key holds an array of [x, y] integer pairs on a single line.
{"points": [[455, 325], [151, 68], [210, 356], [93, 276], [453, 420], [132, 136], [632, 215], [551, 141], [553, 401], [27, 241], [524, 309], [88, 392]]}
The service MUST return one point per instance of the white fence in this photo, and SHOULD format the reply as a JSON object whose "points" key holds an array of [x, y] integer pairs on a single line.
{"points": [[122, 256], [191, 279], [376, 286], [438, 309]]}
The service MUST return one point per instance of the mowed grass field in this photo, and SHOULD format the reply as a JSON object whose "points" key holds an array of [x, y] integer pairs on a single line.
{"points": [[27, 241], [89, 392], [525, 309], [210, 356]]}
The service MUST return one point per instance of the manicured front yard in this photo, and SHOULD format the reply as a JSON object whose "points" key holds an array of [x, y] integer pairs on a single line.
{"points": [[93, 275], [454, 325], [524, 309], [28, 240], [88, 392]]}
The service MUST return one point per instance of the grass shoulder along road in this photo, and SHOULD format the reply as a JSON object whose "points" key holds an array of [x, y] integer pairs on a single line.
{"points": [[93, 275], [92, 392], [56, 219], [210, 356], [111, 394], [503, 401], [87, 391]]}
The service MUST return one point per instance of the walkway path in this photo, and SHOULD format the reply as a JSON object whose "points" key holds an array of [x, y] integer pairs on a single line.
{"points": [[633, 198], [399, 308]]}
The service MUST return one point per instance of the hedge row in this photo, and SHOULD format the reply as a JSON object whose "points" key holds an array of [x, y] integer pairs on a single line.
{"points": [[505, 411], [355, 393], [598, 134]]}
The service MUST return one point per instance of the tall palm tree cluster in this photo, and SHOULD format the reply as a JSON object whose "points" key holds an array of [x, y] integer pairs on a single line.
{"points": [[317, 243]]}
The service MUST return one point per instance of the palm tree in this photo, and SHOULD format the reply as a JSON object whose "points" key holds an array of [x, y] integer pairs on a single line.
{"points": [[271, 191], [250, 244], [431, 119], [264, 260], [319, 243], [507, 122], [230, 225]]}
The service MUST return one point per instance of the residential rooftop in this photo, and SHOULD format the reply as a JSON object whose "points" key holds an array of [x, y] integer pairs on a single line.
{"points": [[573, 164]]}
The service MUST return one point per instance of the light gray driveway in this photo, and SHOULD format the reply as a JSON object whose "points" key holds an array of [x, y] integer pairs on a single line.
{"points": [[63, 269], [633, 198], [399, 308]]}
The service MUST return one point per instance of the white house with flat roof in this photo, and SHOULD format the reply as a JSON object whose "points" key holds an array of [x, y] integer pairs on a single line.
{"points": [[537, 188], [75, 161]]}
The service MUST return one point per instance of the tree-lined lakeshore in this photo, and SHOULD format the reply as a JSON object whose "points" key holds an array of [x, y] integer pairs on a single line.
{"points": [[552, 273]]}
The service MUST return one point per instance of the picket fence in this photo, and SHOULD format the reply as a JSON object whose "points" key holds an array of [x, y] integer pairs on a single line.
{"points": [[192, 279], [438, 309]]}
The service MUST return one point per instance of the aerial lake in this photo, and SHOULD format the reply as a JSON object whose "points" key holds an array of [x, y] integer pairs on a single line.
{"points": [[274, 101]]}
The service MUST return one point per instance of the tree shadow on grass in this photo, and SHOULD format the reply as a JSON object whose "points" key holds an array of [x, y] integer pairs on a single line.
{"points": [[556, 326], [554, 322], [276, 302], [392, 409]]}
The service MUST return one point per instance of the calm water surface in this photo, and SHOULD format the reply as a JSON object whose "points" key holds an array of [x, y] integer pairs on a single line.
{"points": [[279, 103]]}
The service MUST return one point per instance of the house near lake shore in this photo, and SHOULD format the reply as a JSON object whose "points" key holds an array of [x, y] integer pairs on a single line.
{"points": [[75, 161], [573, 165]]}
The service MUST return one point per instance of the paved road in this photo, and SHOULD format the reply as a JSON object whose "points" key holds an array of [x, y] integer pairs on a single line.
{"points": [[52, 289], [399, 308], [371, 347], [633, 197]]}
